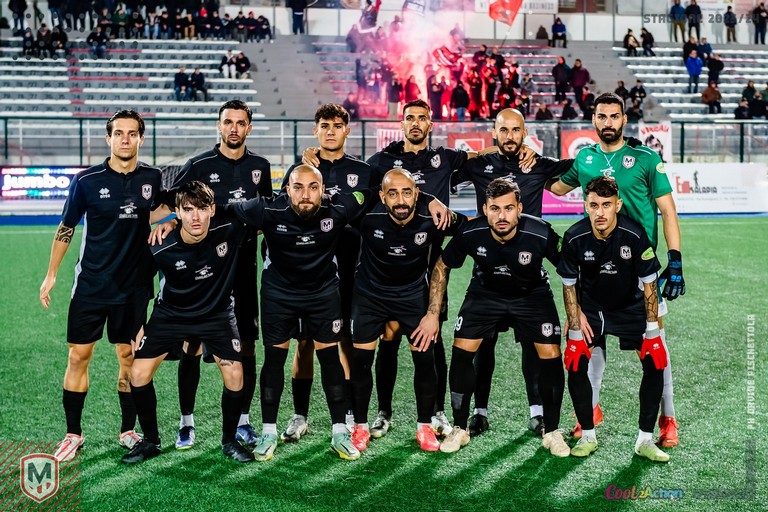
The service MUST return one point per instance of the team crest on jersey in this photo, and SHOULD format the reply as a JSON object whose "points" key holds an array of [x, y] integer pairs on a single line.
{"points": [[628, 161], [420, 238], [336, 326], [352, 180], [397, 163], [236, 344], [146, 191], [256, 176], [524, 258], [625, 252], [547, 329], [435, 161], [221, 249], [326, 225]]}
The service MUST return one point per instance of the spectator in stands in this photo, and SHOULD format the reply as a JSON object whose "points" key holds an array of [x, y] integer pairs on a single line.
{"points": [[263, 30], [542, 33], [181, 85], [57, 16], [635, 112], [693, 13], [105, 21], [505, 98], [742, 111], [588, 103], [227, 66], [478, 58], [712, 97], [370, 14], [352, 106], [18, 8], [646, 40], [569, 113], [760, 20], [749, 91], [694, 65], [460, 102], [513, 73], [544, 114], [165, 26], [729, 20], [523, 104], [621, 91], [28, 44], [561, 72], [226, 26], [677, 15], [75, 13], [251, 23], [765, 93], [578, 79], [688, 47], [97, 40], [475, 84], [435, 90], [528, 84], [297, 9], [178, 24], [44, 42], [120, 23], [559, 33], [240, 28], [630, 44], [214, 28], [756, 106], [60, 41], [498, 60], [704, 49], [412, 91], [242, 66], [197, 83], [457, 38], [394, 95], [715, 66], [189, 26], [137, 24], [638, 92]]}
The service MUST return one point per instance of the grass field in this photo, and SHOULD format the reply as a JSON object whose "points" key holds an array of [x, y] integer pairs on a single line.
{"points": [[719, 465]]}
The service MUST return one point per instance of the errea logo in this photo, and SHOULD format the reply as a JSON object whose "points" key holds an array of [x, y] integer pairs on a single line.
{"points": [[481, 251], [589, 256], [397, 163], [281, 228], [181, 265], [214, 178], [104, 193], [378, 234], [488, 169]]}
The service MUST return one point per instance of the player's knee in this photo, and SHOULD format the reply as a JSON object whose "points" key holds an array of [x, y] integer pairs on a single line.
{"points": [[79, 357], [546, 351], [140, 376]]}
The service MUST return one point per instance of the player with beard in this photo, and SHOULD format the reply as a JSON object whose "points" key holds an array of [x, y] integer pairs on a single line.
{"points": [[235, 174], [341, 173], [645, 191], [507, 289]]}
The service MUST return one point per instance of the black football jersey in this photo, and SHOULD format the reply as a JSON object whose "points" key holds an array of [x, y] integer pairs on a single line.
{"points": [[346, 175]]}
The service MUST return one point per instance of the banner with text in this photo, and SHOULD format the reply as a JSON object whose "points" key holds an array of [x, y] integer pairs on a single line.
{"points": [[657, 137], [719, 188]]}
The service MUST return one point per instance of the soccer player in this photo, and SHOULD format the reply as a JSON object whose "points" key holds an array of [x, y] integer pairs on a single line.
{"points": [[508, 288], [198, 261], [390, 284], [112, 284], [341, 173], [608, 256], [645, 191], [235, 174], [509, 132]]}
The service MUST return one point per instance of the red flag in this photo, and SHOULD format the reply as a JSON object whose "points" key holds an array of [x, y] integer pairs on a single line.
{"points": [[504, 10]]}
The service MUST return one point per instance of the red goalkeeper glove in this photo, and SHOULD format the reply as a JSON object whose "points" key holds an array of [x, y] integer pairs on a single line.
{"points": [[574, 349], [653, 345]]}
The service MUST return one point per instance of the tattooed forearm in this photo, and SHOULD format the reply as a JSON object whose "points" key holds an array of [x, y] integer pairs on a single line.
{"points": [[650, 290], [437, 286], [571, 307], [64, 234]]}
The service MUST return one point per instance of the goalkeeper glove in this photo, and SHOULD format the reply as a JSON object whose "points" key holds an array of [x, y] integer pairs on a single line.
{"points": [[574, 349], [653, 345], [671, 282]]}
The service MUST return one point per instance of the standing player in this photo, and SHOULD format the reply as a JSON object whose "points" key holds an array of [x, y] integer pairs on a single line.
{"points": [[508, 288], [112, 284], [341, 173], [645, 190], [608, 256], [391, 284], [235, 174], [198, 261]]}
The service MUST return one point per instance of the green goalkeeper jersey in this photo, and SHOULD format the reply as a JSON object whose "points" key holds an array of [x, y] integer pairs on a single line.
{"points": [[639, 173]]}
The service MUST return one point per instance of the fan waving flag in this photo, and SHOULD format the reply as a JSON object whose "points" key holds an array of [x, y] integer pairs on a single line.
{"points": [[504, 10]]}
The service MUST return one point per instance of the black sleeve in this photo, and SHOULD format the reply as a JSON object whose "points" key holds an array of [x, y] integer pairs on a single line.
{"points": [[456, 157], [250, 212], [356, 204], [376, 173], [458, 223], [265, 185], [568, 267], [555, 168], [184, 176], [454, 254], [554, 243]]}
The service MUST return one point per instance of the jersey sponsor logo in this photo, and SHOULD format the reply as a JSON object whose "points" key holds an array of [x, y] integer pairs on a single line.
{"points": [[524, 257], [397, 163], [336, 326], [418, 177], [281, 228], [305, 240], [104, 193], [256, 176], [203, 273], [129, 211], [625, 252], [502, 270], [608, 268], [326, 225], [608, 173], [420, 238], [146, 191], [332, 191], [238, 195], [181, 265], [481, 251], [435, 161], [589, 256], [648, 254], [488, 169], [221, 249], [628, 161], [660, 168], [352, 180], [397, 251], [457, 325], [547, 329], [236, 344], [214, 178], [378, 234]]}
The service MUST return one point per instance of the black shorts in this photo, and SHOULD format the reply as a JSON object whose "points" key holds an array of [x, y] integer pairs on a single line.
{"points": [[627, 324], [246, 293], [86, 320], [371, 313], [347, 255], [533, 317], [166, 334], [317, 319]]}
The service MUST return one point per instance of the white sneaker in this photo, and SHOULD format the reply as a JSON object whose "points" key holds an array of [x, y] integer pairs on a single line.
{"points": [[440, 424], [455, 440], [68, 447], [554, 442], [650, 451], [129, 438], [297, 427]]}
